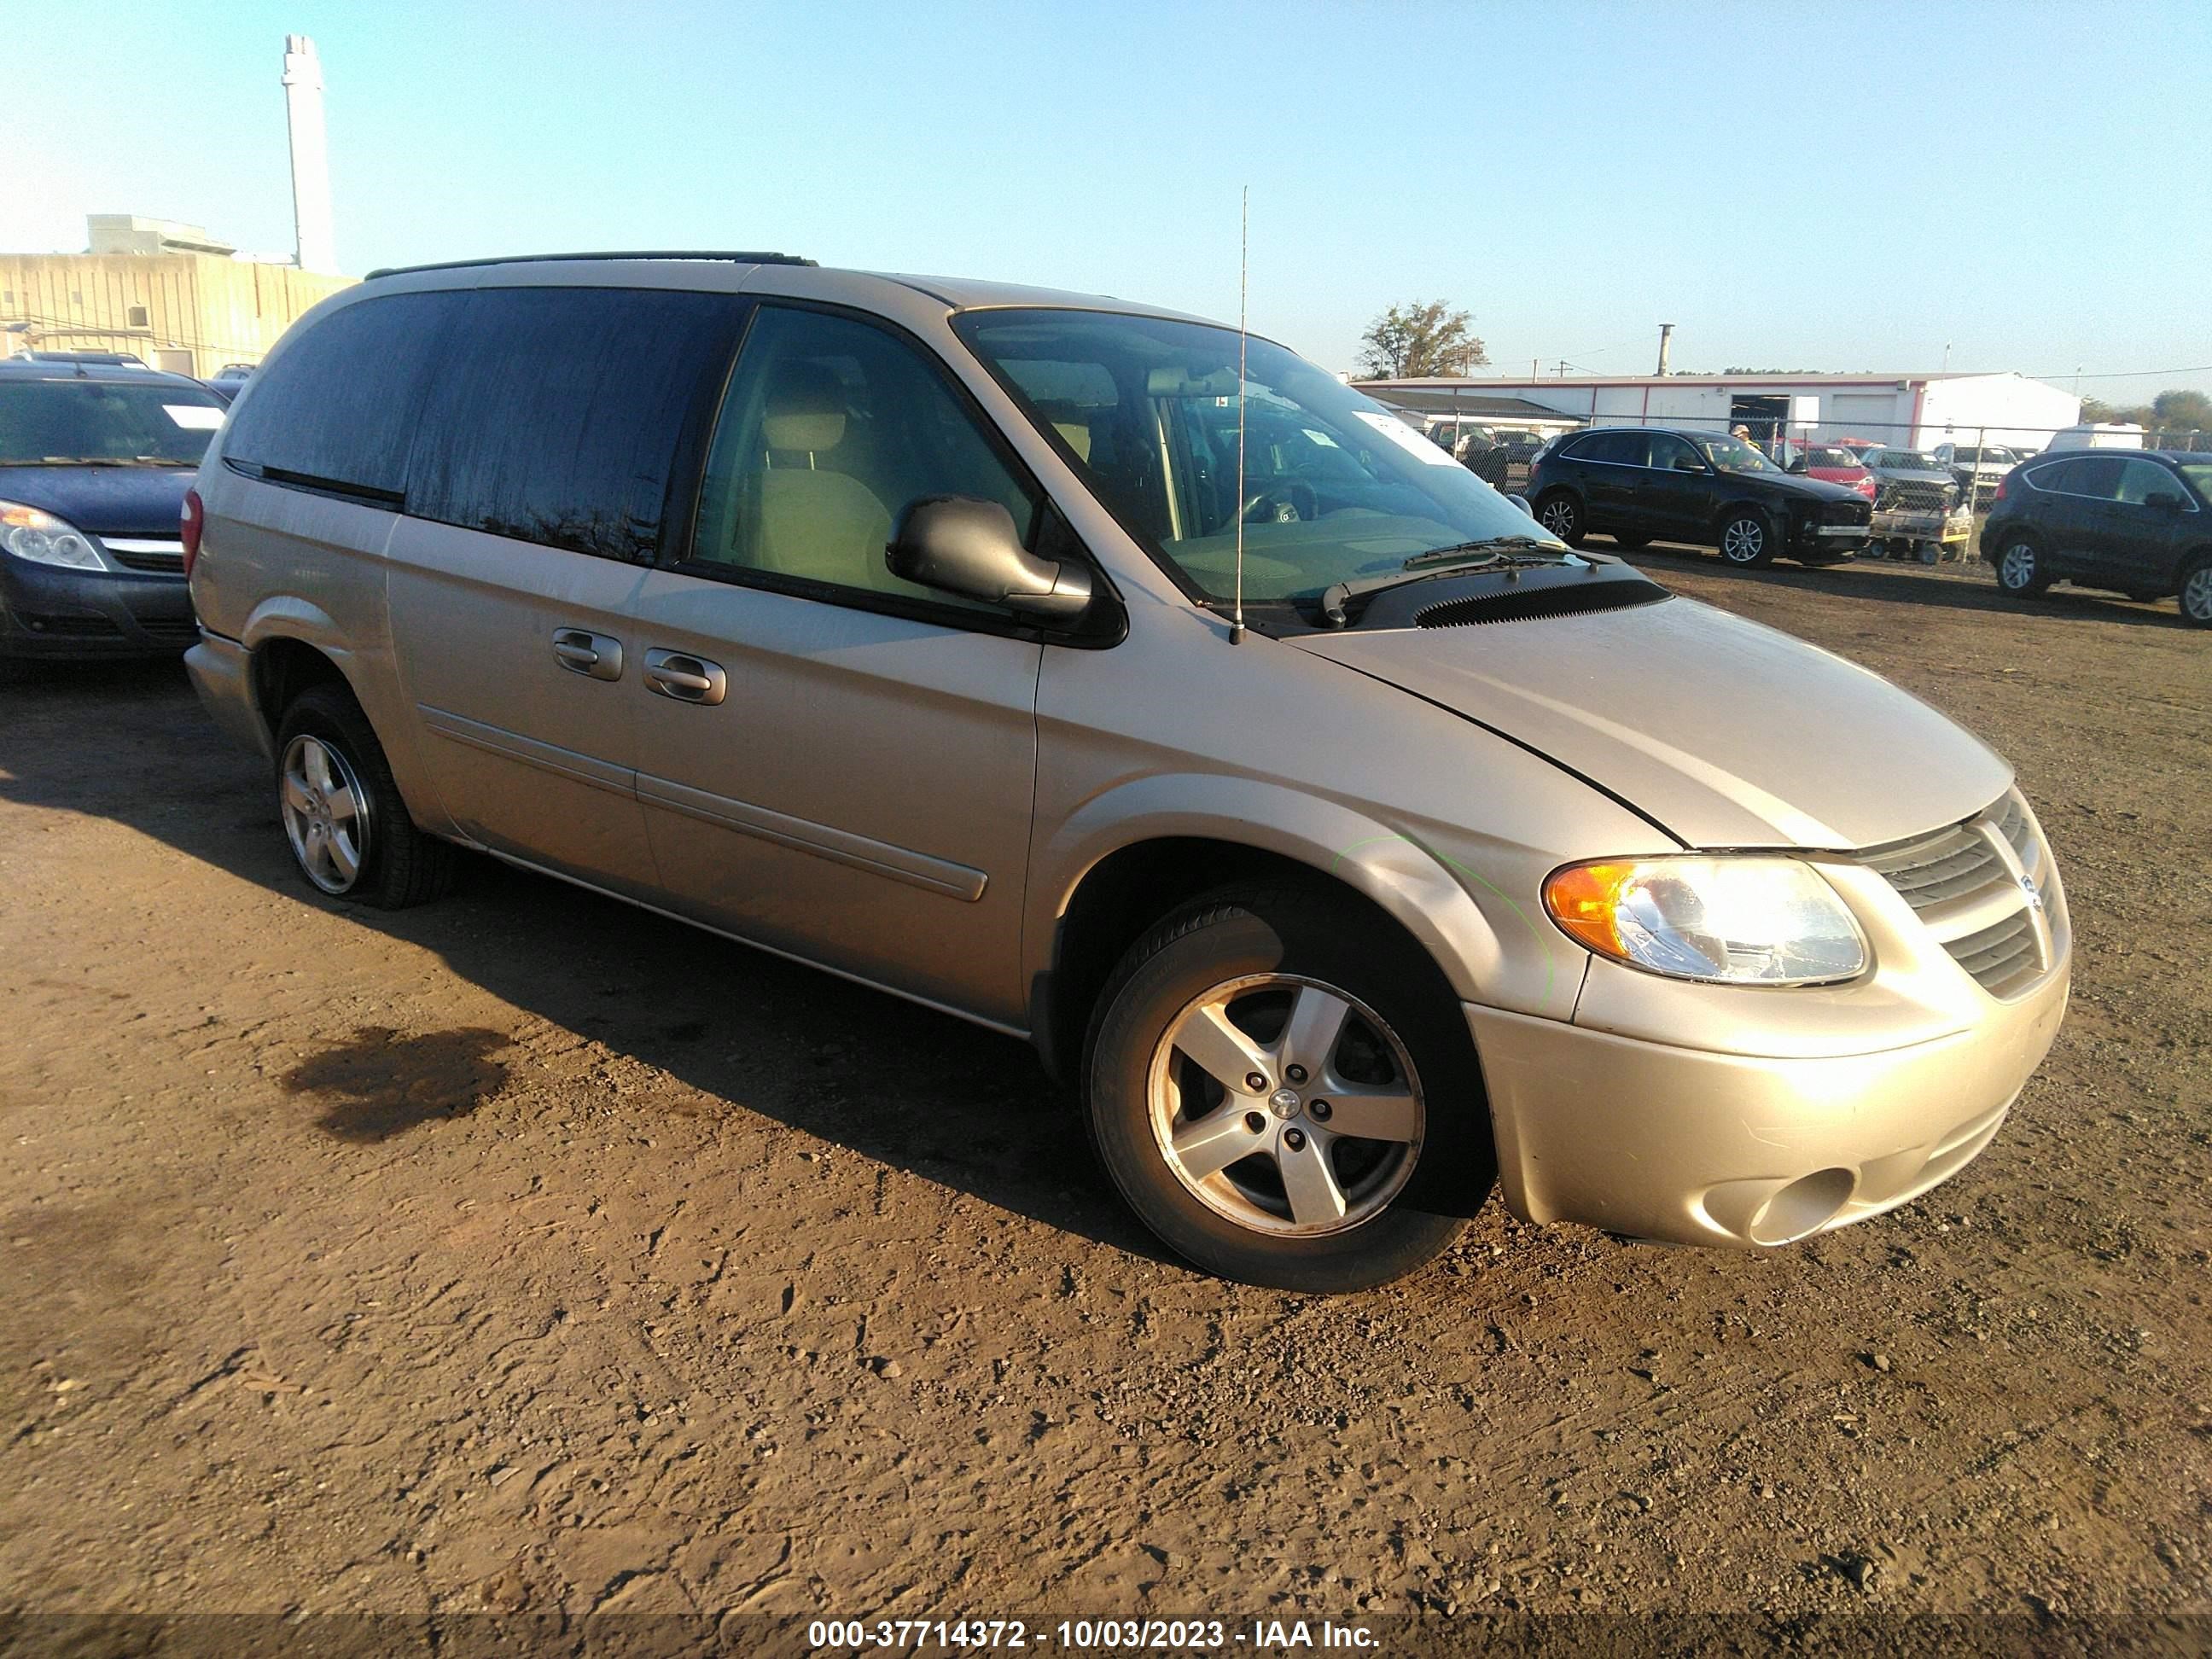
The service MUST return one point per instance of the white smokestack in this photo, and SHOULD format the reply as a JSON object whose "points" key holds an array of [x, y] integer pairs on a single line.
{"points": [[311, 158]]}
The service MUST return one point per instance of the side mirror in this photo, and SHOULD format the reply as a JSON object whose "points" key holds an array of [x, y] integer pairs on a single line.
{"points": [[961, 545], [1798, 465], [1522, 501], [2164, 500]]}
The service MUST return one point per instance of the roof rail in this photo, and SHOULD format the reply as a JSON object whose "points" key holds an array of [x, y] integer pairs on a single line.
{"points": [[644, 254]]}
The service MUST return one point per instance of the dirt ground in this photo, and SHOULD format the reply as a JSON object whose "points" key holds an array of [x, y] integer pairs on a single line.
{"points": [[528, 1251]]}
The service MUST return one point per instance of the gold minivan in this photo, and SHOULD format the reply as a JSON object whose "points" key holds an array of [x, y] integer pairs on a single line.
{"points": [[1100, 676]]}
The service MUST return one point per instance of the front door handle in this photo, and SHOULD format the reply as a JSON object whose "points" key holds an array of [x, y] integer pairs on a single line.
{"points": [[582, 651], [686, 679]]}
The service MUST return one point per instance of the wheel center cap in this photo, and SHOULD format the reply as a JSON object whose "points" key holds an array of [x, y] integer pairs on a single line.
{"points": [[1283, 1103]]}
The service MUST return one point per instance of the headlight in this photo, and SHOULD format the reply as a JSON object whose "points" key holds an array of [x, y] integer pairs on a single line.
{"points": [[1743, 921], [31, 533]]}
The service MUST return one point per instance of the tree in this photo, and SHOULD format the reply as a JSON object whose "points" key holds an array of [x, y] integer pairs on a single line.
{"points": [[2181, 411], [1424, 338]]}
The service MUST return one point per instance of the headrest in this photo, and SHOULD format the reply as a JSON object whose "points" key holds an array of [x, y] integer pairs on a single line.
{"points": [[806, 409]]}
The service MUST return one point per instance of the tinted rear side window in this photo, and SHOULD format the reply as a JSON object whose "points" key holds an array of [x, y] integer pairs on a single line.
{"points": [[1623, 448], [337, 406], [558, 414]]}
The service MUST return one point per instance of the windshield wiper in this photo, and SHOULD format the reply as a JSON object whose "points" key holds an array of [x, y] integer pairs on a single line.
{"points": [[1497, 546], [1461, 559]]}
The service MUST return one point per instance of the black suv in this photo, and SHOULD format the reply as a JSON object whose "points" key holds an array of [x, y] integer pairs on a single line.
{"points": [[2139, 523], [1641, 484], [94, 461]]}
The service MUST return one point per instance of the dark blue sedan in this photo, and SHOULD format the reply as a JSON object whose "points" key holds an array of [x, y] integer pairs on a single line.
{"points": [[95, 461]]}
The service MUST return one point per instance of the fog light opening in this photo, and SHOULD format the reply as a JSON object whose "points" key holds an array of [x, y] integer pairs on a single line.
{"points": [[1803, 1207]]}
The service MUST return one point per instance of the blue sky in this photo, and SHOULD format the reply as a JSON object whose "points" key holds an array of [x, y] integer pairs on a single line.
{"points": [[1847, 186]]}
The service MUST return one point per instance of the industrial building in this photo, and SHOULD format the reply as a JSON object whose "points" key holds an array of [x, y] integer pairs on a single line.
{"points": [[1915, 412], [171, 294]]}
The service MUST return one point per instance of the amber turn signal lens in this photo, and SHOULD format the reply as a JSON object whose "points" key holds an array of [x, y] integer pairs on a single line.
{"points": [[1584, 898]]}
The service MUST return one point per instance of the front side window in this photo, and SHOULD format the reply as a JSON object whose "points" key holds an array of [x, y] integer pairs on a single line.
{"points": [[1670, 453], [1336, 489], [831, 428], [1732, 454], [2140, 480], [104, 423]]}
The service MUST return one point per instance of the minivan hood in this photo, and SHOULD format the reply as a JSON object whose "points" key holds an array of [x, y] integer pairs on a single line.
{"points": [[108, 501], [1724, 733]]}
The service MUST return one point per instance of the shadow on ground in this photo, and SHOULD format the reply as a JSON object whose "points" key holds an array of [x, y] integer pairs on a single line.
{"points": [[904, 1084]]}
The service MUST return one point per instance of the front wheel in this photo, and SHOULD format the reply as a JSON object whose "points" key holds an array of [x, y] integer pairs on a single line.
{"points": [[1747, 538], [1282, 1086], [348, 830], [1562, 514]]}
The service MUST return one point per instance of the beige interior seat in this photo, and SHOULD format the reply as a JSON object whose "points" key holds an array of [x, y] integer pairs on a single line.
{"points": [[817, 521]]}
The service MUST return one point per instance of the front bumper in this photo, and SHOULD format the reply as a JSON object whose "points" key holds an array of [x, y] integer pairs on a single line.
{"points": [[1695, 1147], [46, 611]]}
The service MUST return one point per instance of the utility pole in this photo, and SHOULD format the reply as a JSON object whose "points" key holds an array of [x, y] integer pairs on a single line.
{"points": [[1666, 335]]}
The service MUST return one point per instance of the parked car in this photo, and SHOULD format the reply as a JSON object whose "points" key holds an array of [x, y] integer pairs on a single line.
{"points": [[926, 629], [1832, 464], [2139, 523], [235, 372], [1638, 484], [1500, 456], [2097, 435], [1976, 468], [95, 458], [1917, 512]]}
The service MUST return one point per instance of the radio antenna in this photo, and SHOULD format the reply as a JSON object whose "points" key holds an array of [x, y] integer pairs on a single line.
{"points": [[1244, 275]]}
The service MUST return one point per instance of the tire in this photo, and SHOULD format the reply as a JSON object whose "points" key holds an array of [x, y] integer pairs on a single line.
{"points": [[2196, 591], [350, 834], [1562, 514], [1747, 538], [1929, 552], [2020, 567], [1631, 539], [1307, 1207]]}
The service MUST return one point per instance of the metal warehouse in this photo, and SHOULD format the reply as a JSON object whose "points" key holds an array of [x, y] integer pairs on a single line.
{"points": [[1917, 411]]}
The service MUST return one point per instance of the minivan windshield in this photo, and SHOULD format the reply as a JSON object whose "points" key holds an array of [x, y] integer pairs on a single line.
{"points": [[92, 423], [1336, 488]]}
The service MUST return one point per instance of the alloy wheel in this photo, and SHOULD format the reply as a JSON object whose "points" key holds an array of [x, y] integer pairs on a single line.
{"points": [[1743, 541], [325, 813], [1287, 1106], [2017, 568], [1559, 518], [2197, 595]]}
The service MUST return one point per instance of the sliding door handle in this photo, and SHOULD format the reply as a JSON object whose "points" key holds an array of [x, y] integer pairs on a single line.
{"points": [[582, 651], [684, 678]]}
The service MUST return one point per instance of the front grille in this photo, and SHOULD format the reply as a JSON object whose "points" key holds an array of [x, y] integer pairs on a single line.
{"points": [[1952, 864], [149, 553], [1855, 511], [1962, 888], [1901, 494], [2002, 958]]}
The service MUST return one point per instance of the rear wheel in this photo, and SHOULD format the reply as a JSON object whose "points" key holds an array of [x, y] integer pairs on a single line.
{"points": [[2196, 593], [1747, 538], [2020, 567], [348, 829], [1562, 514], [1282, 1087]]}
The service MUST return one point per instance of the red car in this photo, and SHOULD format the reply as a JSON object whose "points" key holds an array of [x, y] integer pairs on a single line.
{"points": [[1832, 464]]}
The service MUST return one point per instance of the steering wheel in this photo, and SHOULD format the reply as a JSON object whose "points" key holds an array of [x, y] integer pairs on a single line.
{"points": [[1286, 501]]}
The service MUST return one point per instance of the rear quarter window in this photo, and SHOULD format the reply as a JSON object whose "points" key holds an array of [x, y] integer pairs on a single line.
{"points": [[337, 405], [560, 414]]}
